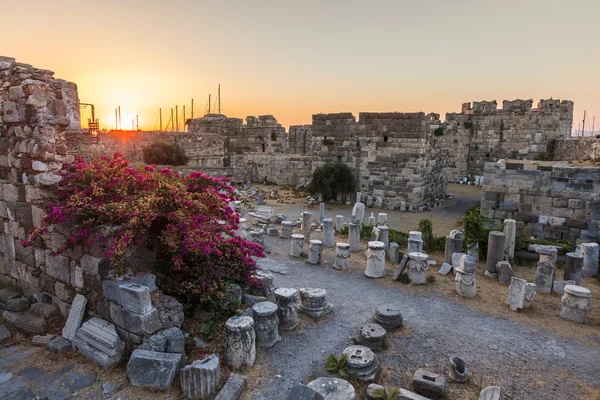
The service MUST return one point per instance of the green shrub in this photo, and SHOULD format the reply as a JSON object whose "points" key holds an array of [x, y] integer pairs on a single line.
{"points": [[161, 153], [426, 230], [399, 237], [543, 157], [439, 131], [332, 179], [468, 125], [475, 227], [337, 365], [386, 394]]}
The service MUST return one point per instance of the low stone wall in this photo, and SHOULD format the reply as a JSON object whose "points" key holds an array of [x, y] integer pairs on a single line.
{"points": [[279, 169], [556, 201], [577, 149]]}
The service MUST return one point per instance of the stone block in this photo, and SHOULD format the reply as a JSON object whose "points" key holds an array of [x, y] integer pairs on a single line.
{"points": [[5, 335], [200, 379], [135, 298], [302, 392], [148, 280], [170, 311], [110, 290], [58, 267], [17, 304], [429, 384], [75, 317], [144, 324], [64, 291], [97, 340], [42, 340], [557, 221], [91, 265], [169, 340], [153, 369], [558, 287], [59, 345], [233, 387], [26, 323]]}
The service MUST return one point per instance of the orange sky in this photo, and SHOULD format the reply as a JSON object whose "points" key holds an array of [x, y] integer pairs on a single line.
{"points": [[293, 59]]}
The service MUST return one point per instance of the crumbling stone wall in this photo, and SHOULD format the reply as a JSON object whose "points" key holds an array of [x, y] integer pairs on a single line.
{"points": [[271, 168], [482, 133], [555, 201], [578, 149]]}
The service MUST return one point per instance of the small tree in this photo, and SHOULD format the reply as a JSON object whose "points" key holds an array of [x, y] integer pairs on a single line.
{"points": [[426, 230], [332, 179], [161, 153]]}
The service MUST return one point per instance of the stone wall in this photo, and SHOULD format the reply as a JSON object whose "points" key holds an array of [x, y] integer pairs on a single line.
{"points": [[556, 201], [578, 149], [482, 133]]}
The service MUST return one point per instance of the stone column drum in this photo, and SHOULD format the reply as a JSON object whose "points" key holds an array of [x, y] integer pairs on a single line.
{"points": [[342, 255], [372, 220], [510, 230], [315, 249], [576, 304], [313, 302], [339, 222], [354, 237], [417, 267], [288, 300], [200, 379], [591, 252], [384, 236], [466, 277], [297, 245], [495, 253], [382, 218], [394, 253], [244, 223], [454, 244], [547, 253], [415, 242], [358, 212], [306, 216], [258, 236], [321, 212], [286, 229], [240, 344], [266, 323], [375, 260], [574, 268], [328, 235]]}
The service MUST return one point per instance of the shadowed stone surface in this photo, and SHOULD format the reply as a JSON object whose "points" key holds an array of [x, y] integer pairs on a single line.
{"points": [[75, 317], [429, 384], [233, 387], [333, 389], [151, 368]]}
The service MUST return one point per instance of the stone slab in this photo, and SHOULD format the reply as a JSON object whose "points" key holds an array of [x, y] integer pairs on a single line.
{"points": [[153, 369], [5, 335], [59, 345], [135, 298], [26, 323], [75, 317]]}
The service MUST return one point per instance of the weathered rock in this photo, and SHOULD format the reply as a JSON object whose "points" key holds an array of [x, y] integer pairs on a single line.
{"points": [[288, 300], [505, 272], [394, 253], [558, 287], [286, 229], [302, 392], [240, 345], [170, 311], [490, 393], [495, 253], [358, 212], [200, 379], [591, 253], [257, 236], [375, 260], [75, 317], [333, 389], [354, 237], [388, 316], [415, 242], [42, 340], [233, 387], [267, 285], [342, 255], [573, 268], [98, 341], [47, 311], [169, 340], [372, 389], [520, 294], [313, 302], [339, 222], [135, 298], [315, 250], [6, 295], [17, 304], [306, 217], [5, 335], [362, 363], [457, 369], [417, 268], [454, 244], [266, 324], [372, 336], [144, 324], [153, 369], [576, 304], [429, 384], [384, 236], [547, 253], [328, 233], [445, 269], [456, 260], [544, 276], [297, 245], [26, 323], [401, 267], [59, 345]]}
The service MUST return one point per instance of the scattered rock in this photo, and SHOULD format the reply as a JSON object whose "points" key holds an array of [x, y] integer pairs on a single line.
{"points": [[302, 392], [5, 335], [17, 304], [429, 384], [84, 382], [59, 345], [42, 340]]}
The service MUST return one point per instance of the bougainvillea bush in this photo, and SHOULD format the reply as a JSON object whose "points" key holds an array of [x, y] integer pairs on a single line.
{"points": [[188, 219]]}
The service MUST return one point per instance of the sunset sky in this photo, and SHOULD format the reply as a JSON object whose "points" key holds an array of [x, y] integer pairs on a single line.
{"points": [[295, 58]]}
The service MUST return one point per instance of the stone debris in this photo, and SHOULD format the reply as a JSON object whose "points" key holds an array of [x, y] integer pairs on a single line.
{"points": [[153, 369], [372, 336], [49, 312], [169, 340], [354, 237], [372, 220], [490, 393], [288, 300], [375, 259], [558, 287], [520, 294], [266, 324], [415, 242], [371, 391], [547, 253], [495, 253], [544, 276], [233, 387], [59, 345], [395, 253], [306, 222], [505, 272], [576, 302], [510, 232], [342, 255], [339, 223], [454, 244], [286, 229], [297, 245], [388, 316], [417, 268], [200, 379], [466, 277], [257, 236], [26, 323], [17, 304], [573, 268], [313, 302], [321, 212], [75, 317], [384, 236], [97, 340], [458, 370], [42, 340], [358, 212], [429, 384], [328, 237], [5, 335], [445, 269], [401, 267], [139, 324], [170, 311], [135, 298], [303, 392], [333, 389], [362, 363], [267, 286], [382, 218], [315, 251], [591, 253], [5, 296], [456, 260], [375, 234], [240, 344]]}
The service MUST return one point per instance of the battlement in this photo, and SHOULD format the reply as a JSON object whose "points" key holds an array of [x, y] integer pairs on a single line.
{"points": [[518, 105], [4, 59]]}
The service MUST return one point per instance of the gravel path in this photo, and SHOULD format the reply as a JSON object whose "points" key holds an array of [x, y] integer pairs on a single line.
{"points": [[526, 361]]}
